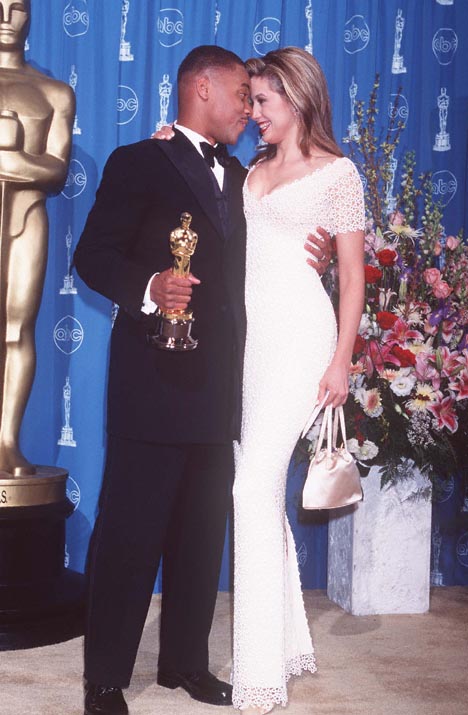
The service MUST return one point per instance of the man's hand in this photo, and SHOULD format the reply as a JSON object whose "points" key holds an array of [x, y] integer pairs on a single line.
{"points": [[321, 248], [166, 132], [170, 292]]}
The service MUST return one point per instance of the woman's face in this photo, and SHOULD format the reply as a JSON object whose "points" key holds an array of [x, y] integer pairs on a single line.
{"points": [[272, 112]]}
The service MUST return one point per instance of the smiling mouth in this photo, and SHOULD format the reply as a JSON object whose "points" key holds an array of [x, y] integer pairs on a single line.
{"points": [[263, 126]]}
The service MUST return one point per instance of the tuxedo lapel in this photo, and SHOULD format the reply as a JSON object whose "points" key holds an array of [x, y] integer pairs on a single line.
{"points": [[194, 169]]}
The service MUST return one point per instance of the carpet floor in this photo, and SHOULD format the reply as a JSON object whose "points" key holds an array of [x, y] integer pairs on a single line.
{"points": [[368, 665]]}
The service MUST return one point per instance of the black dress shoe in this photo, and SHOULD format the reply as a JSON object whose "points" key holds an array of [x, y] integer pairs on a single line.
{"points": [[103, 700], [200, 685]]}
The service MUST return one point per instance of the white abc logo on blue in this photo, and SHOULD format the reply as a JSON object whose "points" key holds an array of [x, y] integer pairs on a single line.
{"points": [[266, 35], [76, 18], [356, 34], [398, 110], [170, 26], [302, 555], [127, 105], [462, 549], [443, 489], [73, 492], [68, 335], [444, 187], [76, 180], [444, 45]]}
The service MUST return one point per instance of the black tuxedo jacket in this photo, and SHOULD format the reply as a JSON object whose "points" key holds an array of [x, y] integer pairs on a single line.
{"points": [[156, 395]]}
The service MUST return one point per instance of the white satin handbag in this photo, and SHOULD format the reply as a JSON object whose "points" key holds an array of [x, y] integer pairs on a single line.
{"points": [[333, 476]]}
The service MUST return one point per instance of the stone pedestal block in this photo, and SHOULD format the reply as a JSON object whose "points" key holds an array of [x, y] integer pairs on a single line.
{"points": [[379, 551]]}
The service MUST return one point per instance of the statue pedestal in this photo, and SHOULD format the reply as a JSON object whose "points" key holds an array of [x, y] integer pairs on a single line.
{"points": [[41, 602], [379, 551]]}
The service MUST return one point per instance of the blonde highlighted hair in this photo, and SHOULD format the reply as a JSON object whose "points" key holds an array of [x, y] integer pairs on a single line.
{"points": [[297, 76]]}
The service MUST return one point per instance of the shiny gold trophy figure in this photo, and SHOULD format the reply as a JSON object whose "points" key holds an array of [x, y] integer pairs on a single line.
{"points": [[36, 119], [175, 326]]}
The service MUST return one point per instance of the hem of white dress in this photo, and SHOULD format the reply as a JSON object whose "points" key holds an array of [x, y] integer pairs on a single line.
{"points": [[265, 698]]}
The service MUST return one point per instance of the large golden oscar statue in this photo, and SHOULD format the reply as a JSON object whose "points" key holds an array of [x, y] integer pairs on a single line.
{"points": [[36, 119]]}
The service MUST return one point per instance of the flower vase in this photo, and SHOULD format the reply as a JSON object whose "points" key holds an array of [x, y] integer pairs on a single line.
{"points": [[379, 551]]}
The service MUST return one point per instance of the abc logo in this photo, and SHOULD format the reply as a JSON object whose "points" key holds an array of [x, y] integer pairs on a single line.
{"points": [[76, 180], [363, 181], [127, 105], [76, 18], [302, 555], [444, 187], [170, 27], [444, 45], [73, 492], [443, 489], [462, 549], [266, 35], [356, 35], [398, 110], [68, 335]]}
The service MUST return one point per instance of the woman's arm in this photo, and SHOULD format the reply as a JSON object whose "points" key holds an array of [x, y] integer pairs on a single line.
{"points": [[350, 250]]}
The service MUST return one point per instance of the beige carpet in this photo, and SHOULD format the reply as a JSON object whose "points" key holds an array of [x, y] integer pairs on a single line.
{"points": [[373, 665]]}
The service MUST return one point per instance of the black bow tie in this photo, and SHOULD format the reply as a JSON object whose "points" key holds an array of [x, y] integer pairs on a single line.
{"points": [[219, 151]]}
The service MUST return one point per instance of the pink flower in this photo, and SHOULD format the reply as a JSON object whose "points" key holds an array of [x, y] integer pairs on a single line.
{"points": [[452, 243], [445, 414], [430, 329], [425, 369], [460, 385], [448, 361], [397, 219], [448, 327], [437, 248], [441, 289], [401, 333], [431, 276]]}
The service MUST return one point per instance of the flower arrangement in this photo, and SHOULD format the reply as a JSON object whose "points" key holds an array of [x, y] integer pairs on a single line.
{"points": [[409, 375]]}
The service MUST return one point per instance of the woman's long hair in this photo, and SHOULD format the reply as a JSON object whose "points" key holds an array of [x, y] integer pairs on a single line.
{"points": [[297, 76]]}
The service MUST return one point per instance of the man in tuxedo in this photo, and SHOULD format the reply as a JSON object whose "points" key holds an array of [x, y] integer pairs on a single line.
{"points": [[172, 416]]}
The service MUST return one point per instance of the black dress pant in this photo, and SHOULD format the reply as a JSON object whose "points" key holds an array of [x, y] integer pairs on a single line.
{"points": [[156, 500]]}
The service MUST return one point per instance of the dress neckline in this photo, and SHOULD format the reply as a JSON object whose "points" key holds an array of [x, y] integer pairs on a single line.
{"points": [[289, 183]]}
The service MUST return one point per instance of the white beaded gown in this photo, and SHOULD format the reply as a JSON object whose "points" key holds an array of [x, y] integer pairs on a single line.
{"points": [[291, 337]]}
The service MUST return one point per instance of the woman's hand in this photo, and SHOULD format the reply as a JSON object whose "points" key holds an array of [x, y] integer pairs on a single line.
{"points": [[336, 380], [166, 133]]}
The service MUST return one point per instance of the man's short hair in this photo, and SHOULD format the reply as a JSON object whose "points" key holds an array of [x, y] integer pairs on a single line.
{"points": [[207, 57]]}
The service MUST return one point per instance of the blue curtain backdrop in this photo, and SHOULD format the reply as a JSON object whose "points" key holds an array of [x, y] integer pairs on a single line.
{"points": [[121, 57]]}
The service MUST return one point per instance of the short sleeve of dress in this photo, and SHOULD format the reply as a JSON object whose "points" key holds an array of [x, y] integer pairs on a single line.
{"points": [[346, 199]]}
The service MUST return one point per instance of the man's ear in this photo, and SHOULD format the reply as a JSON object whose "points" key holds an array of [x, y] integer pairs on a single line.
{"points": [[202, 84]]}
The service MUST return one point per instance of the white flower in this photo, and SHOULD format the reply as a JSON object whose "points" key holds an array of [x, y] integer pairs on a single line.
{"points": [[366, 450], [368, 326], [402, 384], [370, 401], [385, 296]]}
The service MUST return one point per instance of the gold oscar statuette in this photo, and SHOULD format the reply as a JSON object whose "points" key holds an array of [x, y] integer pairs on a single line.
{"points": [[174, 327], [36, 119]]}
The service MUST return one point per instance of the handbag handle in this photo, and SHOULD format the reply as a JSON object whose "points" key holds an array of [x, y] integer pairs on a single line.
{"points": [[330, 424], [326, 425], [339, 420], [315, 413]]}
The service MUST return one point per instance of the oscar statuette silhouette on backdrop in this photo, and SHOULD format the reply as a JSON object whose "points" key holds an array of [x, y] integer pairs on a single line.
{"points": [[38, 599]]}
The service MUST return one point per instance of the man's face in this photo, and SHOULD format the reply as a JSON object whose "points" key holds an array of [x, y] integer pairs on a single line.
{"points": [[14, 16], [228, 107]]}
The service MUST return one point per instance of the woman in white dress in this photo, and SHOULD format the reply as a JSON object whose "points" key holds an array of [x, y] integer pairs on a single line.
{"points": [[298, 182]]}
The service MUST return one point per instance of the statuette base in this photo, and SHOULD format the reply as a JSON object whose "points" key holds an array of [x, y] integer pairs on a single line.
{"points": [[46, 486], [174, 334]]}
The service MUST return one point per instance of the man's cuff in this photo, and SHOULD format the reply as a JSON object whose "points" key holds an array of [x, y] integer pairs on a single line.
{"points": [[149, 306]]}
